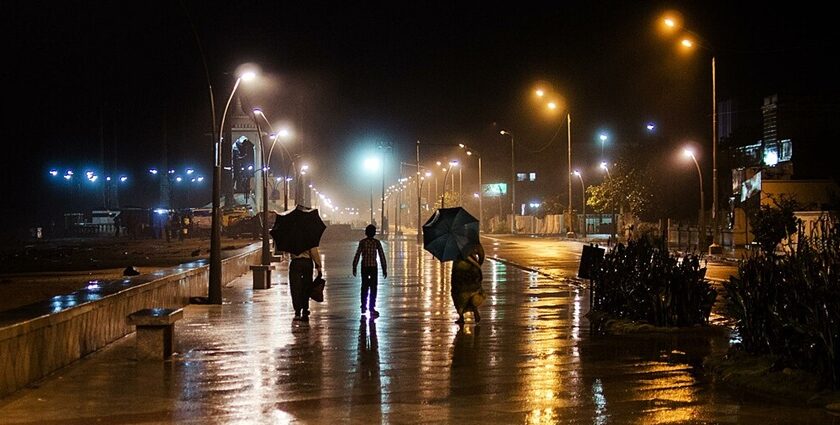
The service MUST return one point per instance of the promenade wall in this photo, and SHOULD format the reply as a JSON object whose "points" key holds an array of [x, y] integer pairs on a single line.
{"points": [[38, 339]]}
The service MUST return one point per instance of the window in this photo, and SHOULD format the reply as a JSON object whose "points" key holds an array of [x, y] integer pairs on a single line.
{"points": [[521, 177], [532, 176]]}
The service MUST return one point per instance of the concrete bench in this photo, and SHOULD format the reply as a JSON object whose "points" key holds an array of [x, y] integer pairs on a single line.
{"points": [[155, 331]]}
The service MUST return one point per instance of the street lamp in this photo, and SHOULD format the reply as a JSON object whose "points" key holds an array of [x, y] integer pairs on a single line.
{"points": [[603, 138], [453, 163], [614, 224], [702, 234], [266, 247], [371, 165], [553, 106], [671, 24], [583, 196], [215, 277], [512, 181], [471, 152]]}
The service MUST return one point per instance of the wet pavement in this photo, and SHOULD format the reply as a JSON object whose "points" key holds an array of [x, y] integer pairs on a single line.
{"points": [[530, 360]]}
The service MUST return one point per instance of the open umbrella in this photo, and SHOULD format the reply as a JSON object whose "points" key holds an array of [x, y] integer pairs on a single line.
{"points": [[297, 230], [450, 233]]}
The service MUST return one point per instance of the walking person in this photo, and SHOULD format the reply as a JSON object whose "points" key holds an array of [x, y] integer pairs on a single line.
{"points": [[467, 293], [368, 249], [300, 280]]}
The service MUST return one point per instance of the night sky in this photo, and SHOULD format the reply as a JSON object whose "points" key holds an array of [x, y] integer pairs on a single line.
{"points": [[124, 82]]}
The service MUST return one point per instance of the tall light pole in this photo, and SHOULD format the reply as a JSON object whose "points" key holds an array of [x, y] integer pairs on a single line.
{"points": [[512, 181], [215, 279], [471, 152], [266, 247], [583, 197], [285, 134], [419, 222], [702, 234], [614, 224], [453, 163], [603, 138], [687, 42], [371, 165], [552, 106]]}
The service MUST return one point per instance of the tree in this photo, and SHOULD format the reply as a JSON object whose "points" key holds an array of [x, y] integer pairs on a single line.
{"points": [[628, 189], [772, 223]]}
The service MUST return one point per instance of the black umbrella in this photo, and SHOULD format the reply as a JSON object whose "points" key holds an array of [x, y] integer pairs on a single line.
{"points": [[450, 233], [297, 230]]}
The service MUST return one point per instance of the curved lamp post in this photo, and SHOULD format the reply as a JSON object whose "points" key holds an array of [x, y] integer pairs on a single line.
{"points": [[614, 224], [471, 152], [215, 278], [701, 238], [686, 42]]}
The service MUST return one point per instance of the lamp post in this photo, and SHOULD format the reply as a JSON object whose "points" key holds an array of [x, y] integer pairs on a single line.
{"points": [[512, 181], [702, 234], [583, 197], [266, 247], [471, 152], [215, 278], [453, 163], [371, 165], [419, 222], [552, 106], [671, 24], [614, 224], [603, 138]]}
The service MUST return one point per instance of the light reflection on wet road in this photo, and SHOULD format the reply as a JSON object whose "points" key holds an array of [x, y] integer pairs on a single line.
{"points": [[530, 360]]}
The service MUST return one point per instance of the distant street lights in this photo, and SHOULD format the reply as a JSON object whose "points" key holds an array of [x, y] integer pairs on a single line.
{"points": [[512, 181], [701, 237], [583, 202]]}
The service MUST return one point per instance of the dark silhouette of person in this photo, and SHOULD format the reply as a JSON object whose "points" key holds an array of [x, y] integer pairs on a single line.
{"points": [[466, 290], [368, 249], [300, 280]]}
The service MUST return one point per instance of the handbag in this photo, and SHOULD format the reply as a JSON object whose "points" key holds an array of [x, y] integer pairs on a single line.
{"points": [[317, 293]]}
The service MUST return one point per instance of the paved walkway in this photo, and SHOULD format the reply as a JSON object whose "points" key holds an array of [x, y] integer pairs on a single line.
{"points": [[530, 360]]}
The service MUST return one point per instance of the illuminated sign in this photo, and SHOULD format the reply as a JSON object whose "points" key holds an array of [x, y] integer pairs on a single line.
{"points": [[494, 189]]}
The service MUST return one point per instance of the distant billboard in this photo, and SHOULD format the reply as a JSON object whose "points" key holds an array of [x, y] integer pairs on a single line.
{"points": [[494, 189], [751, 186]]}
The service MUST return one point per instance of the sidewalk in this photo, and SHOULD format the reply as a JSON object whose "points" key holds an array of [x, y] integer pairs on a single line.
{"points": [[531, 359]]}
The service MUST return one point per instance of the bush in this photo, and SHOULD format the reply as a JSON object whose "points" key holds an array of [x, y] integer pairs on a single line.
{"points": [[642, 282], [789, 306]]}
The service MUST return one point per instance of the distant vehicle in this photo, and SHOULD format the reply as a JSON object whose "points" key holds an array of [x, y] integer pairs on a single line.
{"points": [[202, 218]]}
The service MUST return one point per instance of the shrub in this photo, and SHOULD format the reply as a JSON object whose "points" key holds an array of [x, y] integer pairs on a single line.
{"points": [[642, 282], [789, 306]]}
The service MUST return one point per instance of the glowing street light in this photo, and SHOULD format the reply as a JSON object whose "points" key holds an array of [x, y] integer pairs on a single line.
{"points": [[603, 137], [471, 152], [702, 234]]}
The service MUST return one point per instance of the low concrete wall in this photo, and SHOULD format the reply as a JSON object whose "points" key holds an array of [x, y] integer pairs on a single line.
{"points": [[38, 339]]}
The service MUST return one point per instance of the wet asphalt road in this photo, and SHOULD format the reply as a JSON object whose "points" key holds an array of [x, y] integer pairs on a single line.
{"points": [[530, 360]]}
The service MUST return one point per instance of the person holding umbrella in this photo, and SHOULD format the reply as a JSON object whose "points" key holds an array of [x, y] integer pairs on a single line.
{"points": [[300, 280], [298, 232], [452, 234], [467, 293]]}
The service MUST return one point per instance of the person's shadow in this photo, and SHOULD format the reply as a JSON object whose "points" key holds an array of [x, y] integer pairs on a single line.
{"points": [[465, 374], [368, 353]]}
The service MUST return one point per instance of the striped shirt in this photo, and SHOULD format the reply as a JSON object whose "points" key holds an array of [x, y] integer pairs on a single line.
{"points": [[368, 249]]}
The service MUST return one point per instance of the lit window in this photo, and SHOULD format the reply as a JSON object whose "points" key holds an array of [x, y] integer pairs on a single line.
{"points": [[521, 177], [532, 176]]}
